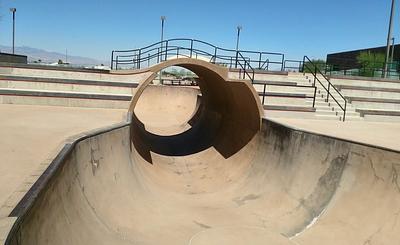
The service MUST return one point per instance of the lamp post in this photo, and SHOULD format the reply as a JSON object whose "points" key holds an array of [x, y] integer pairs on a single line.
{"points": [[392, 59], [388, 39], [239, 28], [13, 10], [163, 18]]}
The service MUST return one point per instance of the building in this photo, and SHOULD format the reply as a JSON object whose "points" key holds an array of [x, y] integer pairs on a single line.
{"points": [[348, 60]]}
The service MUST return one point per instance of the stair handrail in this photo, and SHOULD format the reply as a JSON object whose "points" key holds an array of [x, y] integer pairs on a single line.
{"points": [[315, 71]]}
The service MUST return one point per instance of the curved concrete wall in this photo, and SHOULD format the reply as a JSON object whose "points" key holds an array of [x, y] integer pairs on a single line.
{"points": [[221, 121], [310, 188]]}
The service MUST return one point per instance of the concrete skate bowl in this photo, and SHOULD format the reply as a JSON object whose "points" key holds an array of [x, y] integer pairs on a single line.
{"points": [[284, 186]]}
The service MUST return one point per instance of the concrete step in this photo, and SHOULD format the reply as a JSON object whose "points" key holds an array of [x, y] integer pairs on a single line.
{"points": [[289, 108], [70, 99]]}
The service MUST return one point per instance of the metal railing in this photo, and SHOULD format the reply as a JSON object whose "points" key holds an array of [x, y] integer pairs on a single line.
{"points": [[192, 48], [320, 77]]}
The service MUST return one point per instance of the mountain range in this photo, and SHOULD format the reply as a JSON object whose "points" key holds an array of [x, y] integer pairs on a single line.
{"points": [[35, 54]]}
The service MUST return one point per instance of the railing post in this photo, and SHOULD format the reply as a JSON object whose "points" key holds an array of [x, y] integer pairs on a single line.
{"points": [[283, 60], [236, 63], [315, 95], [139, 59], [345, 109], [327, 97], [263, 95], [112, 59], [304, 61], [166, 50], [177, 52], [116, 62], [259, 62], [191, 48], [215, 55], [158, 55], [315, 74]]}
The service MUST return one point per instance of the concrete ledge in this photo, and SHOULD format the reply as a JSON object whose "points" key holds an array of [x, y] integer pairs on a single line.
{"points": [[289, 108], [375, 100], [364, 112], [69, 81], [275, 83], [287, 95], [393, 90], [366, 79], [56, 68], [37, 93], [257, 71]]}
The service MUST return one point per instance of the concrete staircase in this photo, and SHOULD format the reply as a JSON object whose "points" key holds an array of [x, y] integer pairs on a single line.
{"points": [[375, 99], [32, 90], [296, 101]]}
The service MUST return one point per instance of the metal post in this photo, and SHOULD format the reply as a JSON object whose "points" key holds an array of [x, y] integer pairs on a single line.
{"points": [[315, 95], [327, 97], [263, 98], [215, 55], [388, 39], [112, 59], [344, 111], [162, 39], [191, 48], [13, 10], [392, 59], [239, 28]]}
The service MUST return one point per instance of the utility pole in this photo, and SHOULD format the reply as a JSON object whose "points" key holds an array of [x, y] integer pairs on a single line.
{"points": [[385, 70], [13, 10]]}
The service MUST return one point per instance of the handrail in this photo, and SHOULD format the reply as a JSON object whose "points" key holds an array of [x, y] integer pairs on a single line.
{"points": [[193, 47], [315, 71]]}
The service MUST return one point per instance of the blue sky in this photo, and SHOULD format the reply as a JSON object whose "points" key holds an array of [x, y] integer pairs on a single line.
{"points": [[93, 28]]}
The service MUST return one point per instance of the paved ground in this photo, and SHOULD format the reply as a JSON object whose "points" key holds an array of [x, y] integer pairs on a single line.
{"points": [[383, 134], [28, 134]]}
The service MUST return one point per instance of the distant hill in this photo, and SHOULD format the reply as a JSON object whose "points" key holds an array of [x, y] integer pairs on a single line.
{"points": [[45, 56]]}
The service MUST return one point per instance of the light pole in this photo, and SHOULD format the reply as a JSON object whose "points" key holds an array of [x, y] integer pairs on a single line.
{"points": [[392, 59], [239, 28], [13, 10], [163, 18], [388, 39]]}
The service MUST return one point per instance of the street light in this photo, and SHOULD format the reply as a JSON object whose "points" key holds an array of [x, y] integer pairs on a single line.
{"points": [[239, 28], [163, 18], [392, 59], [13, 10], [388, 39]]}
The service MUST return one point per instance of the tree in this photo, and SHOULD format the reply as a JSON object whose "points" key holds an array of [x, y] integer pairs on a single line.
{"points": [[309, 67], [370, 63]]}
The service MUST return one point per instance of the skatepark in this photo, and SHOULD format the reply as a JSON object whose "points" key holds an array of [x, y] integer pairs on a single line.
{"points": [[244, 155]]}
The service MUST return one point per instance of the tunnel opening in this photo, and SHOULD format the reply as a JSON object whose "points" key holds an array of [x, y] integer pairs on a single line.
{"points": [[219, 113]]}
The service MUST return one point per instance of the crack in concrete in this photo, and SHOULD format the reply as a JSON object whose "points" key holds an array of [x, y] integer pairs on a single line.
{"points": [[377, 177], [395, 176], [369, 239]]}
